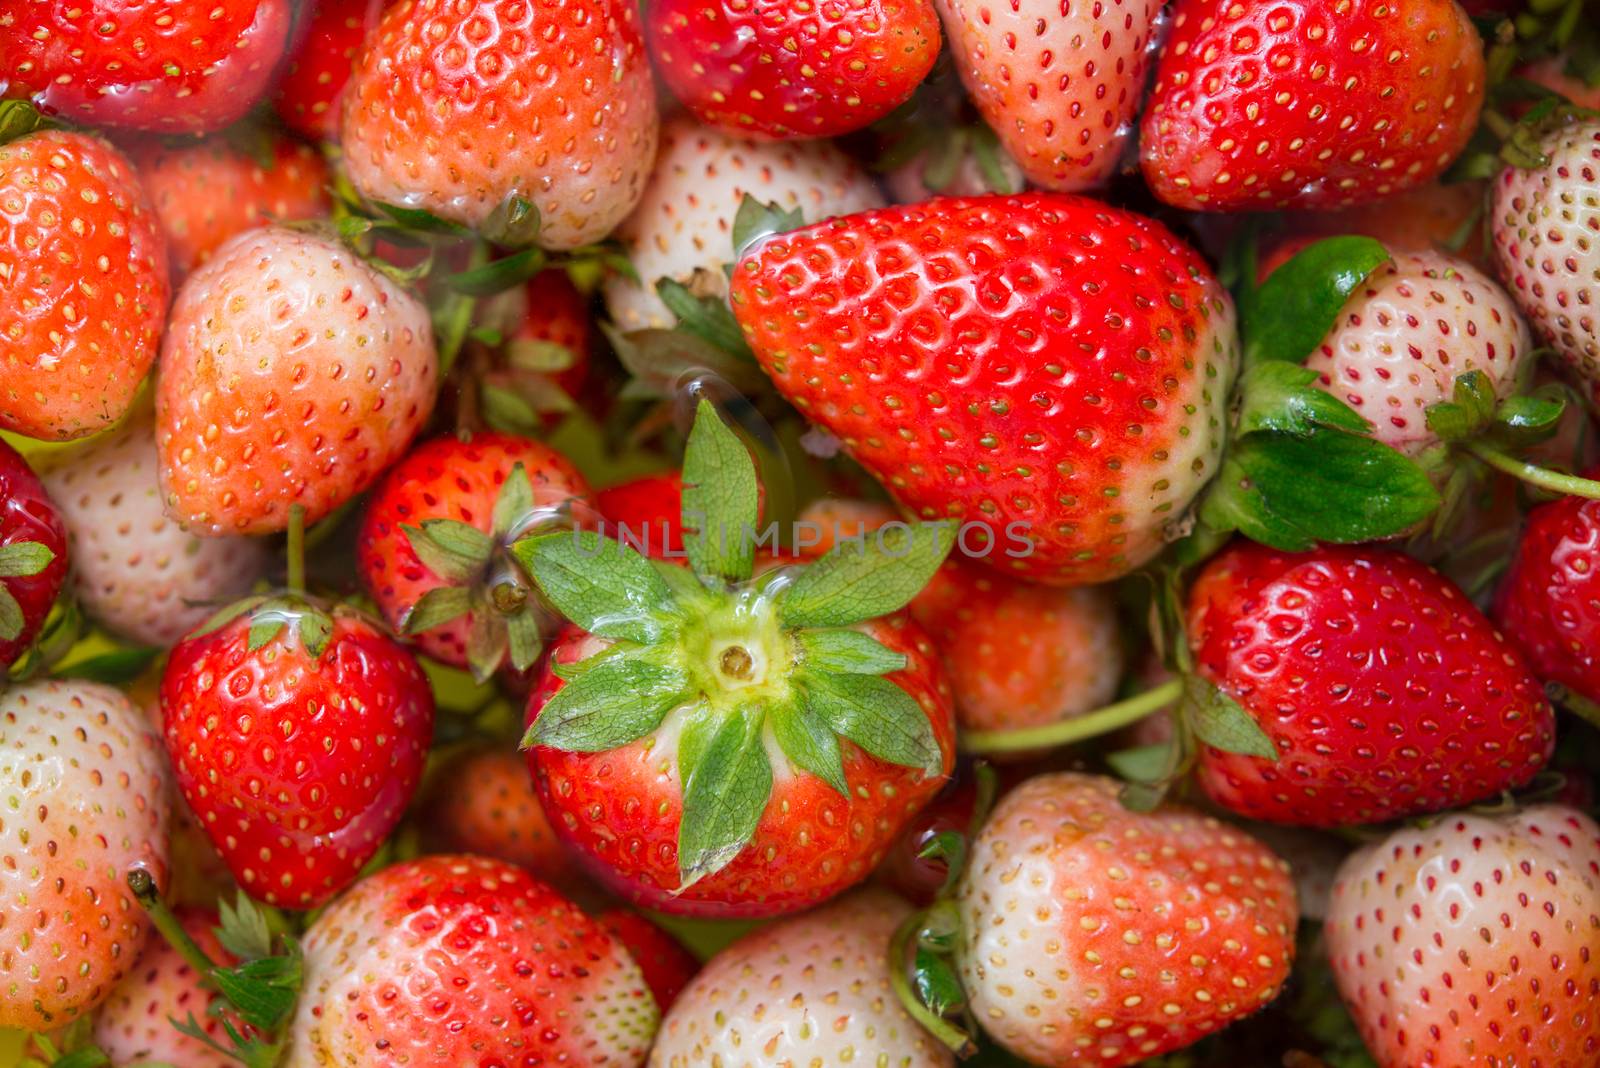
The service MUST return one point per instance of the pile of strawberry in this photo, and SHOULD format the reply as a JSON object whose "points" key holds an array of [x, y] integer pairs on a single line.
{"points": [[775, 533]]}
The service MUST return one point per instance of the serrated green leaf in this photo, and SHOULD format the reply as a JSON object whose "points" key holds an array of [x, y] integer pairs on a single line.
{"points": [[706, 317], [599, 584], [622, 695], [524, 642], [23, 558], [937, 984], [876, 715], [497, 276], [1145, 763], [727, 780], [847, 651], [538, 356], [263, 991], [756, 220], [513, 505], [720, 500], [809, 743], [436, 607], [11, 618], [1285, 397], [243, 931], [1297, 305], [115, 668], [1221, 722], [452, 550], [854, 584]]}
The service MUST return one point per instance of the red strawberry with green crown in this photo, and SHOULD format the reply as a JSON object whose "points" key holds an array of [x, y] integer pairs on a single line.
{"points": [[718, 742], [33, 554]]}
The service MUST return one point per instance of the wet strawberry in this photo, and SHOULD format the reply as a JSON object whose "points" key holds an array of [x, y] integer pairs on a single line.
{"points": [[666, 966], [485, 804], [33, 554], [314, 78]]}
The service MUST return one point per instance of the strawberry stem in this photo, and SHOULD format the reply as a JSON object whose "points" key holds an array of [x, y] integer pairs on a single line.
{"points": [[144, 891], [899, 981], [297, 549], [1090, 725], [1533, 474]]}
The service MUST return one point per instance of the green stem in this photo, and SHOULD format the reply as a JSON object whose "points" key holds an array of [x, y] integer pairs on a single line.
{"points": [[162, 919], [297, 549], [937, 1026], [1533, 474], [1101, 721], [1581, 707], [457, 314]]}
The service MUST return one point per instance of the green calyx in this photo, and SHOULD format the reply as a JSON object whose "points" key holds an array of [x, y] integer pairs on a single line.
{"points": [[22, 559], [746, 664]]}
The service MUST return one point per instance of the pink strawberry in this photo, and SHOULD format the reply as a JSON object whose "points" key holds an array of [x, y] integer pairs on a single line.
{"points": [[33, 555], [666, 966], [1059, 83], [1473, 941], [83, 786], [455, 960], [460, 108], [292, 373]]}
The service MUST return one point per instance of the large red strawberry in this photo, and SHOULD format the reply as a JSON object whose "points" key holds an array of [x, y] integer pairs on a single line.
{"points": [[649, 731], [33, 554], [84, 268], [465, 960], [791, 68], [1385, 692], [1472, 941], [1264, 104], [314, 78], [83, 786], [171, 65], [459, 108], [1060, 83], [292, 373], [298, 737], [1047, 370]]}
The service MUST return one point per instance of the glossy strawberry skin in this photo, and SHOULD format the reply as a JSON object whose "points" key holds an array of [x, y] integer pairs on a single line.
{"points": [[666, 965], [790, 68], [297, 767], [646, 512], [28, 515], [169, 65], [1040, 365], [85, 268], [1386, 692], [1548, 600], [484, 804], [314, 77], [1300, 104]]}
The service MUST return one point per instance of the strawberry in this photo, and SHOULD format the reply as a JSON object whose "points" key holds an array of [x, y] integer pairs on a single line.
{"points": [[434, 546], [308, 95], [33, 554], [793, 69], [682, 228], [292, 373], [1262, 104], [1428, 218], [85, 272], [1542, 224], [1440, 710], [544, 361], [84, 788], [1555, 74], [969, 166], [298, 737], [647, 730], [460, 109], [646, 513], [1091, 934], [456, 960], [168, 65], [1045, 369], [206, 192], [1059, 83], [1471, 941], [558, 314], [485, 804], [666, 966], [812, 990], [134, 570]]}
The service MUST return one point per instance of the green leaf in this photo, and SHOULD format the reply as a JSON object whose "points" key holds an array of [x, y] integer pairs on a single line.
{"points": [[244, 931], [1285, 397], [1530, 418], [809, 743], [1144, 763], [876, 715], [659, 360], [538, 356], [513, 223], [720, 500], [524, 643], [264, 629], [436, 607], [262, 991], [420, 220], [508, 411], [1470, 408], [706, 317], [937, 984], [1221, 723], [454, 551], [23, 558], [487, 643], [1298, 303], [18, 118], [115, 668], [727, 780], [497, 276], [847, 651], [315, 628], [756, 220], [1292, 491], [513, 505], [11, 618], [857, 582], [602, 586], [622, 695]]}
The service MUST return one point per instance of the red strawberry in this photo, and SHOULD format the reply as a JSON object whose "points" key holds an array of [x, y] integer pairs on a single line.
{"points": [[206, 192], [1472, 941], [292, 373], [1060, 83], [1264, 104], [535, 377], [791, 68], [457, 960], [559, 315], [905, 870], [1428, 218], [485, 804], [1096, 935], [298, 739], [1042, 368], [144, 64], [85, 272], [646, 513], [459, 108], [813, 990], [84, 788], [33, 555], [434, 546], [1385, 692], [666, 966], [313, 80]]}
